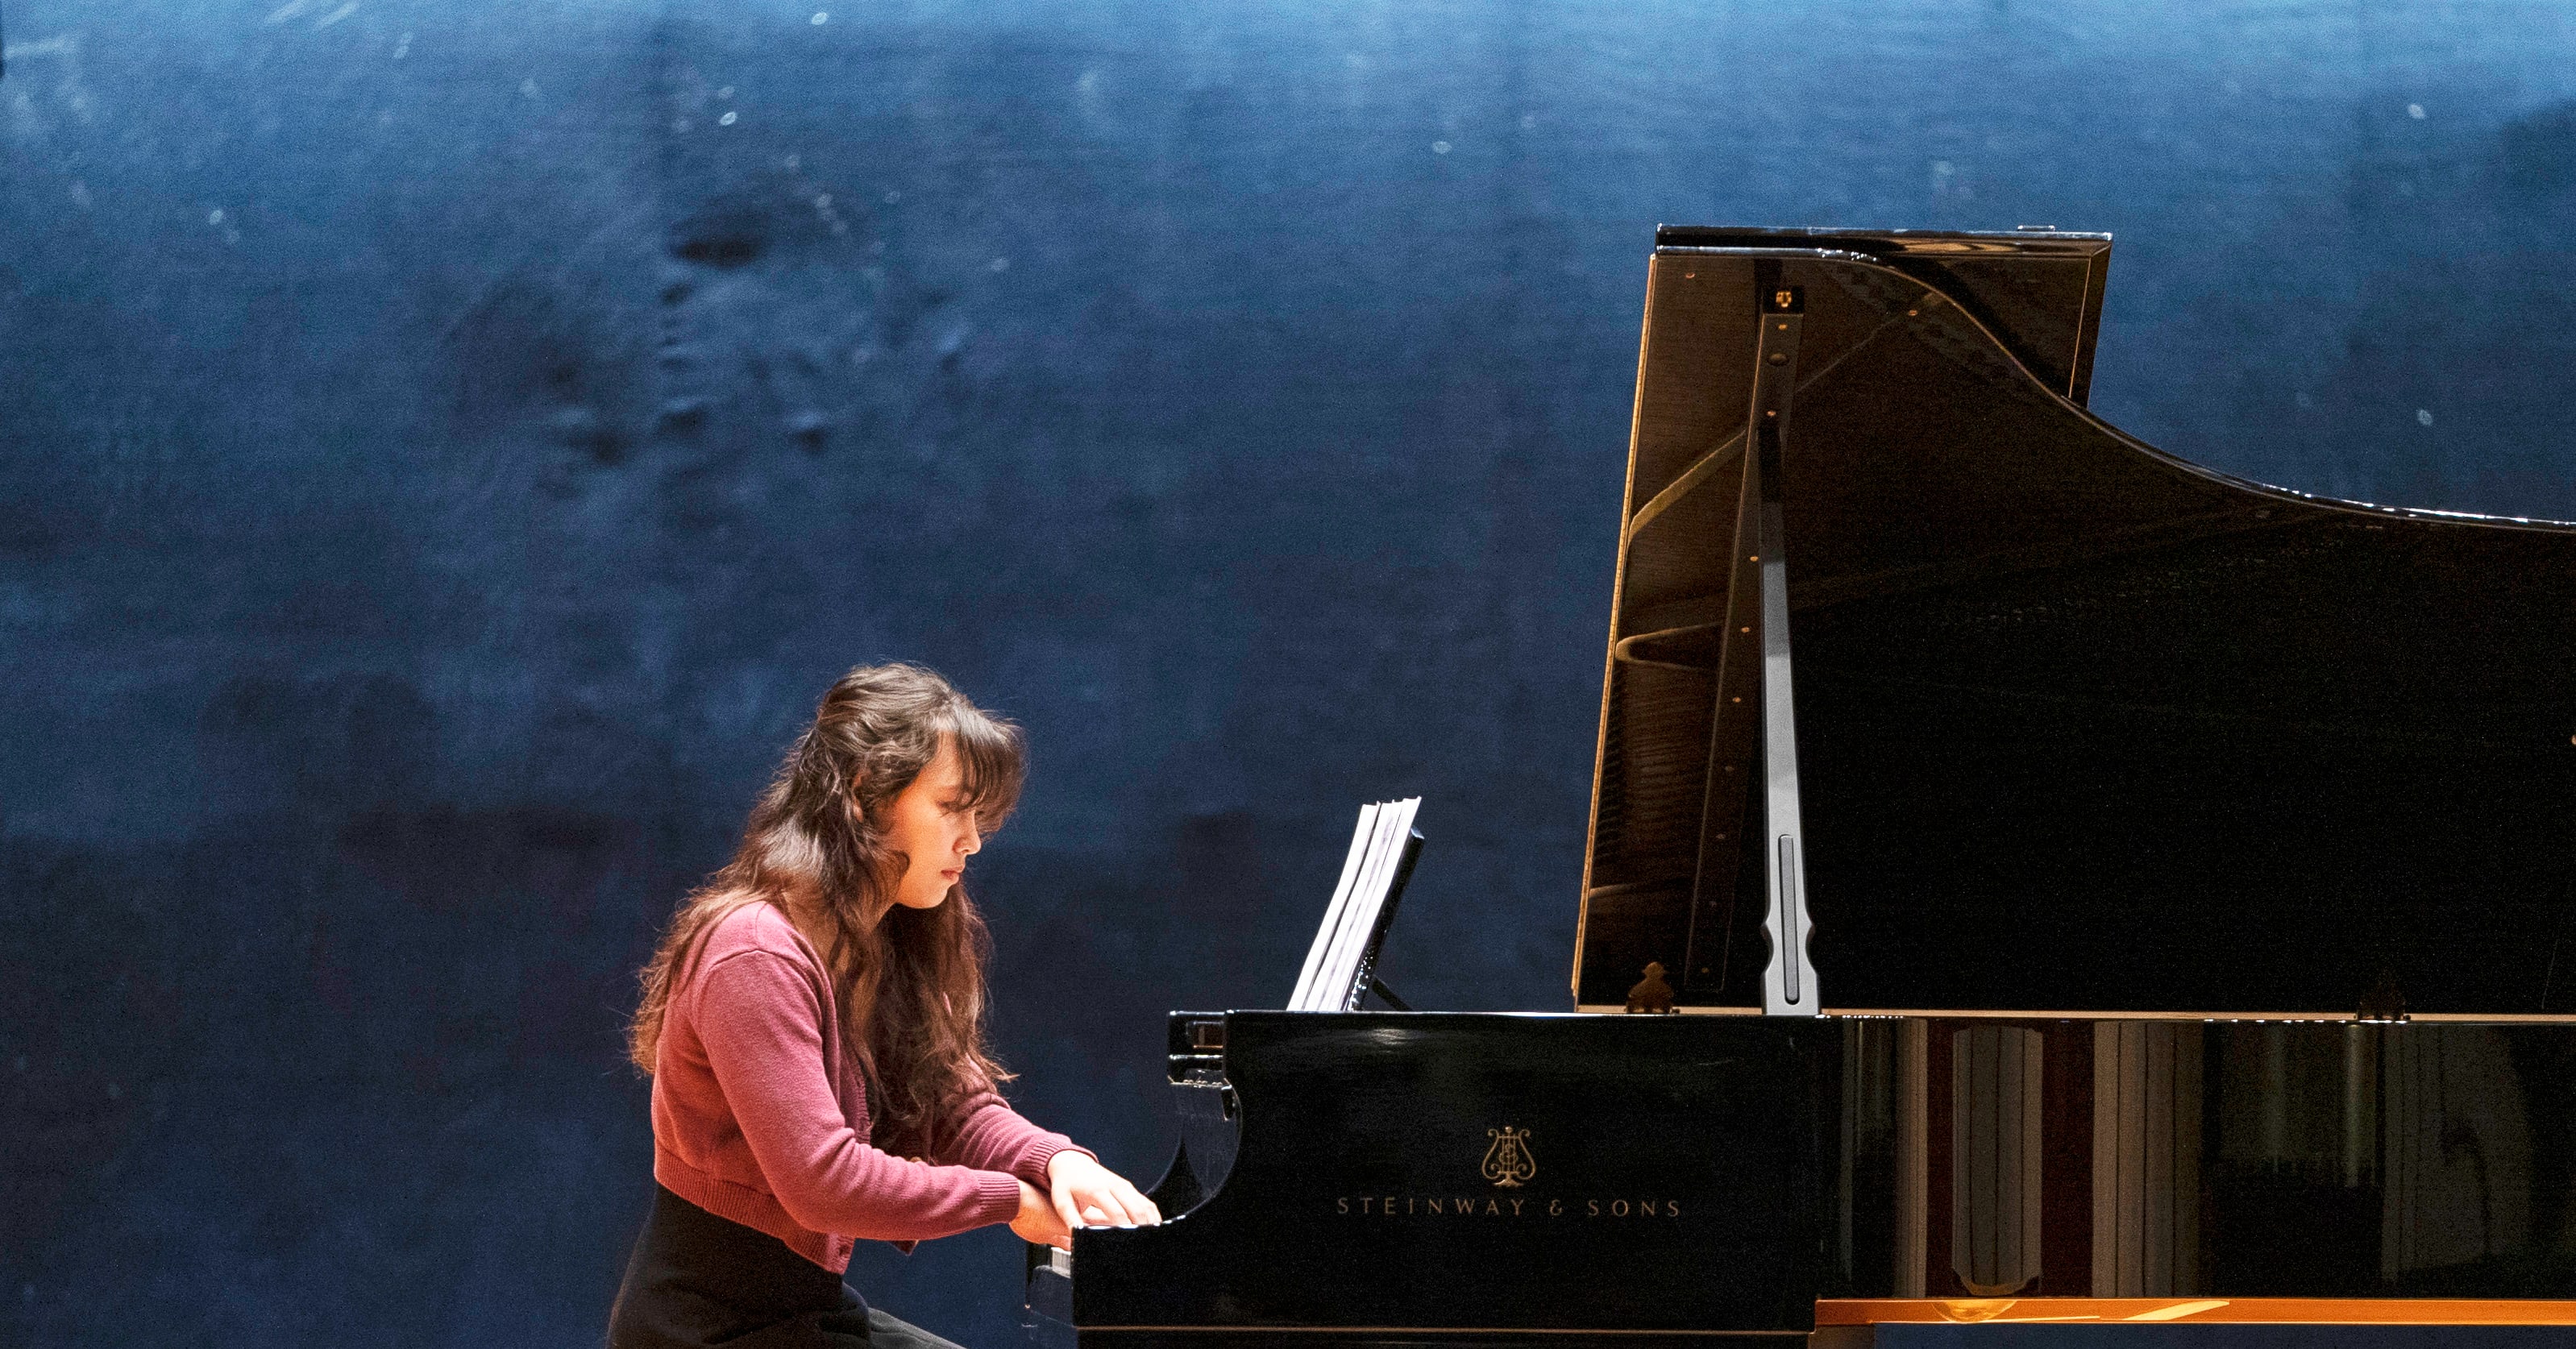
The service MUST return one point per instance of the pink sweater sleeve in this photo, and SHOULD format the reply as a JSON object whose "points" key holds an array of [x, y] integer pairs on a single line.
{"points": [[990, 1136], [766, 1049]]}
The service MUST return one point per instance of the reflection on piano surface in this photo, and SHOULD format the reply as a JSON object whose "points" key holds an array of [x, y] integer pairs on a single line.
{"points": [[2189, 866]]}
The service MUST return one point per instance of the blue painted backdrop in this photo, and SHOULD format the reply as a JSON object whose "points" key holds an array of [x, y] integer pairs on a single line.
{"points": [[445, 447]]}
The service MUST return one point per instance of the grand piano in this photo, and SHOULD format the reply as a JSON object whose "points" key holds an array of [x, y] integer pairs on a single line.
{"points": [[2036, 884]]}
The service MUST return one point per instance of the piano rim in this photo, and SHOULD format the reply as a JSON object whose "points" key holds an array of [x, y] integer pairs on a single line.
{"points": [[2012, 1014]]}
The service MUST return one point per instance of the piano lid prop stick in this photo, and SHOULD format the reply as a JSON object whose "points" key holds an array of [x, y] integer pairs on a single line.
{"points": [[1789, 983]]}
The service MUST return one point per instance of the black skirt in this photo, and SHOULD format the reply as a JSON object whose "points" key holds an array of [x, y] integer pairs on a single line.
{"points": [[697, 1280]]}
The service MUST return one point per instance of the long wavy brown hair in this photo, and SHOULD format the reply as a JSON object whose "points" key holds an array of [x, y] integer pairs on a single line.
{"points": [[910, 982]]}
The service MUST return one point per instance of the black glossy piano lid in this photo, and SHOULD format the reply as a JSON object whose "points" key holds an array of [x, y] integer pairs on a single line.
{"points": [[2081, 726]]}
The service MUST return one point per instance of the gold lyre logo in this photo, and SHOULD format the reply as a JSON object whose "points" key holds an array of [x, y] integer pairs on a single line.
{"points": [[1508, 1161]]}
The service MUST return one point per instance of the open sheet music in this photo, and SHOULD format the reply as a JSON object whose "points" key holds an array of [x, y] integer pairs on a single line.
{"points": [[1338, 966]]}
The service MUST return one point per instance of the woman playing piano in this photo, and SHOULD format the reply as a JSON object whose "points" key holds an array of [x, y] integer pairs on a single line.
{"points": [[813, 1022]]}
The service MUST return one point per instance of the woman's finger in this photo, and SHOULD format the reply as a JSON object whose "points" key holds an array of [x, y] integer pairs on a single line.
{"points": [[1112, 1212], [1138, 1206]]}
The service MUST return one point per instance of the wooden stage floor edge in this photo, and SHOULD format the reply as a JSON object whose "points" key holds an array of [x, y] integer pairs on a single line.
{"points": [[2255, 1310]]}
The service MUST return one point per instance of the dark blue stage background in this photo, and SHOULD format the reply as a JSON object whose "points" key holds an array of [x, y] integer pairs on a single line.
{"points": [[445, 447]]}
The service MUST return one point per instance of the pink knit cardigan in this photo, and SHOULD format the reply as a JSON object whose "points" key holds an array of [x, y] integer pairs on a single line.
{"points": [[759, 1116]]}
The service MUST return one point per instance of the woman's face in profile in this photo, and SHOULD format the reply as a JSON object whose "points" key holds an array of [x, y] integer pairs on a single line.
{"points": [[930, 824]]}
